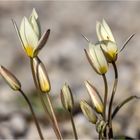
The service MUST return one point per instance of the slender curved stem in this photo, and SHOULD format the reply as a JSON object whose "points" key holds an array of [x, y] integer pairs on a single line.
{"points": [[119, 106], [112, 97], [105, 96], [73, 125], [56, 130], [100, 138], [53, 116], [33, 114]]}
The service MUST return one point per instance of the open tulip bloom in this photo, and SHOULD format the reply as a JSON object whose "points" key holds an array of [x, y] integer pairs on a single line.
{"points": [[30, 34]]}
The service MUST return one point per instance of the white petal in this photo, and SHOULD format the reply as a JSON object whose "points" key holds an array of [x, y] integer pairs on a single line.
{"points": [[112, 47], [28, 35], [108, 30], [35, 23], [98, 31], [34, 14], [98, 58], [35, 26], [93, 56], [94, 97], [43, 78]]}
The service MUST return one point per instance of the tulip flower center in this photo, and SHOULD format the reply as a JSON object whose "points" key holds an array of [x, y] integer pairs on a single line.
{"points": [[29, 51]]}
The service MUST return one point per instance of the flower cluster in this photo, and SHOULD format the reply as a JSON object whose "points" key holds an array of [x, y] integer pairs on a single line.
{"points": [[99, 55], [104, 51]]}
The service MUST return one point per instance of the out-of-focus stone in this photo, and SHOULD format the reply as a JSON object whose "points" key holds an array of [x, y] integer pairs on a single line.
{"points": [[18, 125], [5, 131], [6, 110]]}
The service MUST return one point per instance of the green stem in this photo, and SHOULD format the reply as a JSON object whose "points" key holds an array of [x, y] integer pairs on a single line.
{"points": [[112, 98], [100, 138], [105, 96], [53, 116], [122, 104], [73, 125], [57, 132], [33, 114]]}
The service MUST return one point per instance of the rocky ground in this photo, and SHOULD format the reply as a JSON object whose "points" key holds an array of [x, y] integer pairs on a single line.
{"points": [[66, 62]]}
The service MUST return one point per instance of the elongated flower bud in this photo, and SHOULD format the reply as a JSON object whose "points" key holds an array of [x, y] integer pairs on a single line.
{"points": [[35, 62], [95, 97], [96, 58], [42, 77], [88, 112], [101, 126], [10, 78], [30, 34], [66, 97], [107, 40]]}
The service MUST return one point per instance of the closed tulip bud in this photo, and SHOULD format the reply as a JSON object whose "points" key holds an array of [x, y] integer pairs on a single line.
{"points": [[66, 97], [96, 58], [95, 97], [36, 61], [101, 126], [88, 112], [42, 77], [30, 34], [10, 78]]}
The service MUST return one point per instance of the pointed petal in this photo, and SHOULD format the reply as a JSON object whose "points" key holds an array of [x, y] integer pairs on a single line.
{"points": [[67, 97], [96, 100], [35, 23], [108, 30], [34, 14], [89, 60], [98, 31], [11, 80], [43, 79], [42, 41], [27, 34], [88, 111], [17, 31], [98, 58]]}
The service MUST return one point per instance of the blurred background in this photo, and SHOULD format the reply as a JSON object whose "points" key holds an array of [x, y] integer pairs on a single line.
{"points": [[65, 61]]}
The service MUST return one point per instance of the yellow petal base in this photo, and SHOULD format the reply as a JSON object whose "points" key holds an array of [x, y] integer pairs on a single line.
{"points": [[29, 51]]}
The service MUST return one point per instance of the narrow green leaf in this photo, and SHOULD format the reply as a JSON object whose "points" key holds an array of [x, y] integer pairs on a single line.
{"points": [[126, 42], [119, 106]]}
